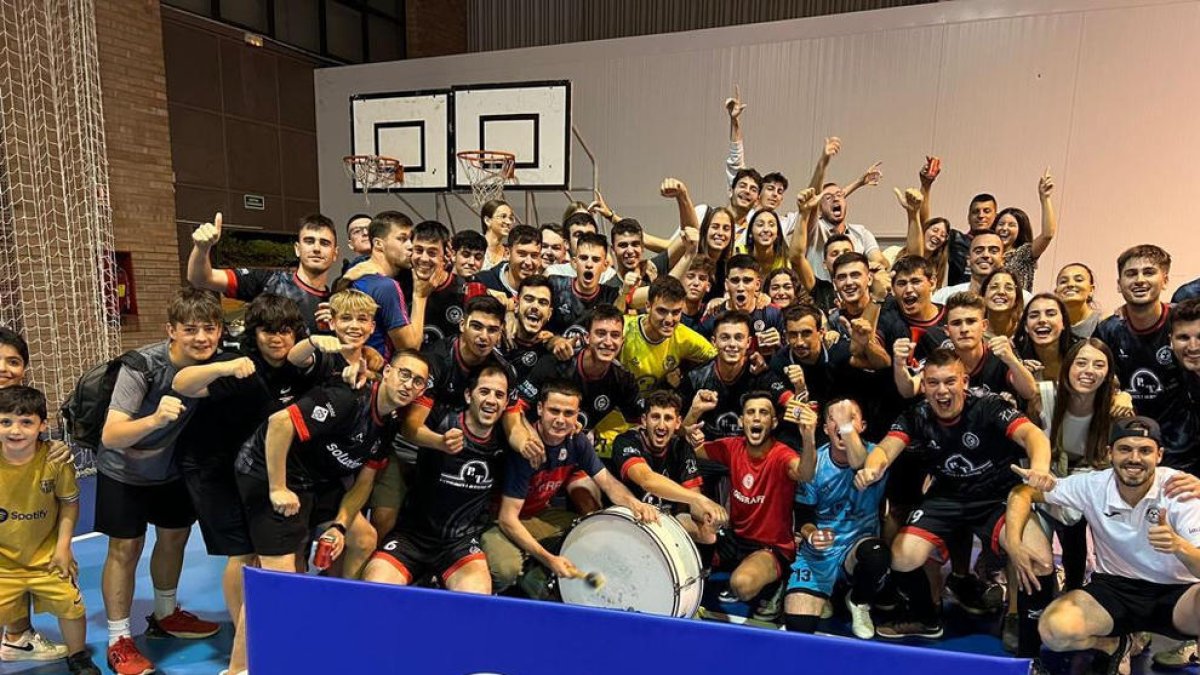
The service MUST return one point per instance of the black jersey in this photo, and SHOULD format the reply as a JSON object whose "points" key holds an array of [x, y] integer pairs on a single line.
{"points": [[1147, 369], [444, 311], [726, 419], [569, 315], [824, 295], [824, 378], [449, 496], [249, 283], [522, 356], [614, 391], [760, 320], [495, 279], [336, 433], [677, 462], [448, 377], [894, 324], [970, 456], [234, 408]]}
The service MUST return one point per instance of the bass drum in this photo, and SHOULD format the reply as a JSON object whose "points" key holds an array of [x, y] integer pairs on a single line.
{"points": [[648, 567]]}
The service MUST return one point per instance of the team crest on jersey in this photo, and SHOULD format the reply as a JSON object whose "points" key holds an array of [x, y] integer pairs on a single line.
{"points": [[321, 413], [574, 332], [970, 440], [748, 481], [669, 363], [1163, 355], [562, 454], [1144, 383], [601, 403], [454, 314], [47, 486], [1152, 515], [528, 358], [760, 326], [961, 467], [472, 474], [729, 424]]}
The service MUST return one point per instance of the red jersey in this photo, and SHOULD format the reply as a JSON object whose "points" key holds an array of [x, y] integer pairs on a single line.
{"points": [[760, 506]]}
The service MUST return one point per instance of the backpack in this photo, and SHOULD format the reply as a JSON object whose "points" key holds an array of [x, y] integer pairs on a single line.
{"points": [[86, 409]]}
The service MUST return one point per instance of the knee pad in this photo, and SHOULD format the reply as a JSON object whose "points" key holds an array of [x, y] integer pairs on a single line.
{"points": [[801, 623], [873, 557]]}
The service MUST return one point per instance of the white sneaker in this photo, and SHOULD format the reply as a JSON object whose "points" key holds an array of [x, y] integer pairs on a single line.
{"points": [[31, 646], [860, 619], [827, 610]]}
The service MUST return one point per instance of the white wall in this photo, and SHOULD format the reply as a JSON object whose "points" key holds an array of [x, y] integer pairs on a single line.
{"points": [[1104, 92]]}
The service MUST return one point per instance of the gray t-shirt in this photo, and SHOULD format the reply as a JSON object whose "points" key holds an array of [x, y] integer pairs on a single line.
{"points": [[151, 461]]}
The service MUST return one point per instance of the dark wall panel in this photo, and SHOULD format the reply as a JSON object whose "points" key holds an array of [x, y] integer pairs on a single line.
{"points": [[248, 82], [253, 154], [197, 146], [193, 65]]}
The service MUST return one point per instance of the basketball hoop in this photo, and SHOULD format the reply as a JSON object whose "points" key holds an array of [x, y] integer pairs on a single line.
{"points": [[373, 172], [487, 171]]}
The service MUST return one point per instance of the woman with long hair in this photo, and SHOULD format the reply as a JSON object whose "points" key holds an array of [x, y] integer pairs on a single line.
{"points": [[716, 244], [764, 241], [1075, 285], [1042, 339], [496, 218], [1004, 300], [784, 288], [1021, 248], [930, 242]]}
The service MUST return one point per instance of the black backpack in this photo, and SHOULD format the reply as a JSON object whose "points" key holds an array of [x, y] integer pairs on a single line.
{"points": [[86, 409]]}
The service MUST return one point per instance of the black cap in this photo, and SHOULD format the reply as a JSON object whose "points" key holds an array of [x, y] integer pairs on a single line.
{"points": [[1138, 427]]}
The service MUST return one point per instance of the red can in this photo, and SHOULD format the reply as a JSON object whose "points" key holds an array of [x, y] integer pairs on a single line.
{"points": [[324, 555]]}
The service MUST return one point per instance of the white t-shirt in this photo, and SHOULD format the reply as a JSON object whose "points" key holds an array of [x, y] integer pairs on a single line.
{"points": [[860, 238], [1120, 531], [941, 295], [568, 270]]}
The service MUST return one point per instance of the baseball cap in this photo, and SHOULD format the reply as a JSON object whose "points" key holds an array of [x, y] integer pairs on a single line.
{"points": [[1138, 427]]}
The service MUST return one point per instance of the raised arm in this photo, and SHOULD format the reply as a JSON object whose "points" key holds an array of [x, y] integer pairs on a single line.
{"points": [[200, 272], [906, 383], [1049, 219], [806, 203], [832, 145], [121, 430], [929, 173], [912, 201], [870, 177], [806, 469], [737, 155], [877, 462], [412, 334], [1019, 376], [193, 381]]}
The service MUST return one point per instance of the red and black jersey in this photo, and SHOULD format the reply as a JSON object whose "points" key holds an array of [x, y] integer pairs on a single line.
{"points": [[569, 316], [761, 492], [336, 433], [443, 311], [726, 419], [449, 496], [894, 324], [522, 356], [1146, 368], [249, 283], [538, 486], [969, 456], [615, 389], [677, 462], [449, 375]]}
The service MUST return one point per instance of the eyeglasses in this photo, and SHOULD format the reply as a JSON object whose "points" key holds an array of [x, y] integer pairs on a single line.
{"points": [[405, 376]]}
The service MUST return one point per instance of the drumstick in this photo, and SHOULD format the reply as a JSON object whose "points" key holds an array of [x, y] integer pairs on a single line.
{"points": [[593, 579]]}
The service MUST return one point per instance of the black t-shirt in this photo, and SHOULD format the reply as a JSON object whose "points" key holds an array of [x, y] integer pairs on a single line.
{"points": [[449, 375], [969, 457], [1147, 369], [677, 462], [522, 356], [824, 295], [894, 324], [449, 496], [960, 246], [246, 284], [336, 433], [726, 419], [493, 279], [614, 391], [760, 320], [569, 315], [443, 311], [823, 378]]}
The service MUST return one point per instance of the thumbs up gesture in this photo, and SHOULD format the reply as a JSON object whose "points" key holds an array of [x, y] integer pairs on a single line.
{"points": [[208, 234], [1162, 535], [1038, 480]]}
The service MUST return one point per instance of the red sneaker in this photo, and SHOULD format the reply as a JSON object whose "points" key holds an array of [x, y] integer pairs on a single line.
{"points": [[125, 659], [180, 624]]}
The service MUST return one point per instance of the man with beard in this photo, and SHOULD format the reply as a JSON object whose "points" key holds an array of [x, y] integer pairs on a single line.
{"points": [[763, 474], [743, 283], [391, 251], [986, 254], [1147, 560], [525, 338], [308, 284], [528, 525], [657, 349], [1185, 339], [814, 369], [445, 511], [524, 260], [574, 295], [611, 402], [833, 221], [659, 467], [967, 443], [469, 248], [443, 308]]}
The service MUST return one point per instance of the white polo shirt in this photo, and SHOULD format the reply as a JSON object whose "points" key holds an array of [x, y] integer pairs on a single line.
{"points": [[1121, 531], [860, 238]]}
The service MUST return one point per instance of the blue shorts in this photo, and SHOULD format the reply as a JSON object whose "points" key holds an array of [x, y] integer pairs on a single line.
{"points": [[817, 572]]}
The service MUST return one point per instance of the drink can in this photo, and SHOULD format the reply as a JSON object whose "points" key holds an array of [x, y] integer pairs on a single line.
{"points": [[324, 555]]}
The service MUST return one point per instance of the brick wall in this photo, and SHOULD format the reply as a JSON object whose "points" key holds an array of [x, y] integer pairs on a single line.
{"points": [[436, 27], [141, 183]]}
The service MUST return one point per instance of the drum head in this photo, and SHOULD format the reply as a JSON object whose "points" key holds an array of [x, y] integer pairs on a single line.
{"points": [[637, 575]]}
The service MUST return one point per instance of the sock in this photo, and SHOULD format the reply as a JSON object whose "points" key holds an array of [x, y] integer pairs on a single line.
{"points": [[801, 623], [767, 591], [1029, 610], [915, 586], [164, 603], [117, 630], [15, 638]]}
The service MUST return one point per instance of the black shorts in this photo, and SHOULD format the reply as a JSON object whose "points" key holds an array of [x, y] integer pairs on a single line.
{"points": [[905, 480], [273, 534], [1136, 605], [218, 506], [416, 556], [732, 550], [940, 520], [123, 511]]}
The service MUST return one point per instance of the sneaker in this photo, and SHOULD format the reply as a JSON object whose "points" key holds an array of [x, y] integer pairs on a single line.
{"points": [[1181, 655], [180, 624], [727, 596], [769, 608], [827, 610], [125, 659], [31, 646], [860, 619], [1036, 667], [81, 664], [1110, 664], [968, 592], [888, 598], [905, 629]]}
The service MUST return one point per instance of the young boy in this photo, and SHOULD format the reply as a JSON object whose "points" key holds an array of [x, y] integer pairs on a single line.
{"points": [[40, 507]]}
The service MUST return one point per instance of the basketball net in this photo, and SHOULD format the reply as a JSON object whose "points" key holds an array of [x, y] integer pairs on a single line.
{"points": [[373, 172], [487, 171], [57, 262]]}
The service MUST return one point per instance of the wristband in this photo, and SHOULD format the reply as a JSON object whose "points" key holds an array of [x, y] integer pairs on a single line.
{"points": [[846, 428], [339, 527]]}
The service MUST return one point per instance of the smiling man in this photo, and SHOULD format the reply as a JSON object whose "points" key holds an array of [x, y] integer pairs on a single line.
{"points": [[985, 255], [524, 260], [658, 349], [443, 308]]}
